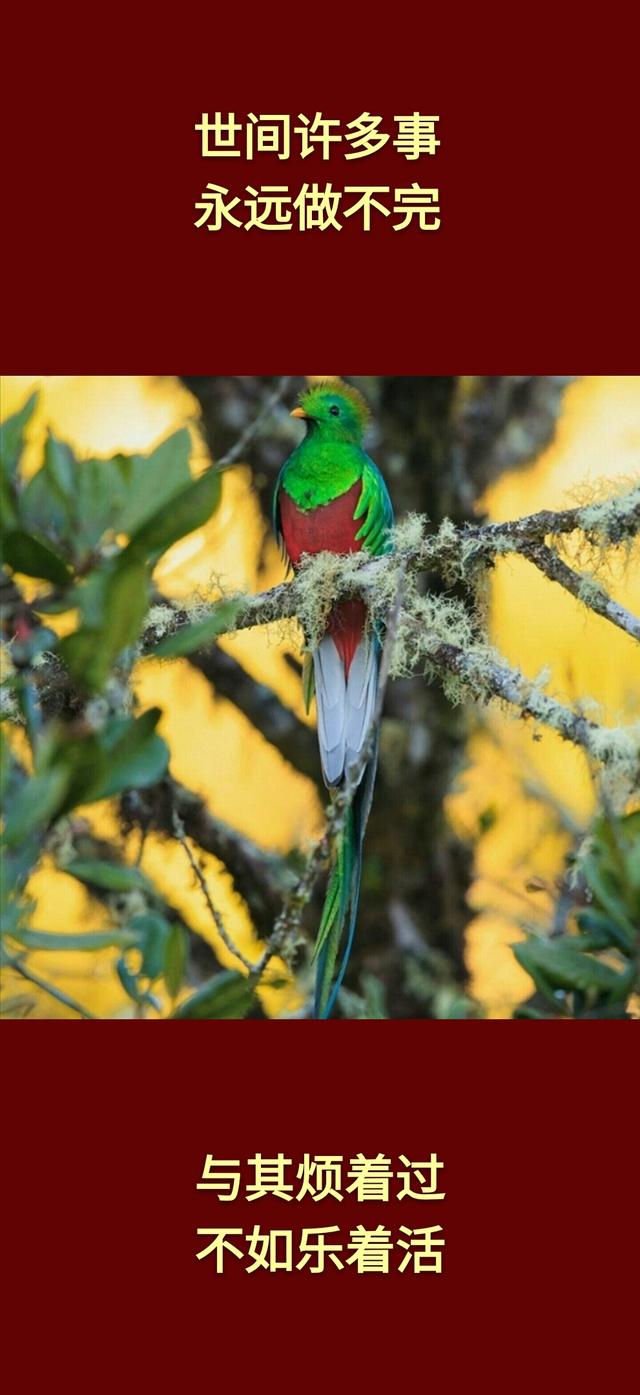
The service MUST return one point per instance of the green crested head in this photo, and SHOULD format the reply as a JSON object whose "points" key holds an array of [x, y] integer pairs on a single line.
{"points": [[334, 411]]}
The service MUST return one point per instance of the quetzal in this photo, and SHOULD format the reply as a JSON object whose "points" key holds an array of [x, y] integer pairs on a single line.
{"points": [[330, 497]]}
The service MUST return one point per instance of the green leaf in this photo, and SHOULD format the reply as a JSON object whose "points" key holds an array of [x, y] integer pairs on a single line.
{"points": [[62, 468], [48, 502], [175, 959], [89, 940], [125, 755], [12, 436], [37, 802], [77, 503], [228, 995], [126, 601], [374, 996], [151, 931], [101, 494], [129, 982], [85, 764], [84, 660], [110, 876], [141, 769], [600, 931], [186, 511], [608, 893], [561, 966], [201, 633], [137, 757], [115, 601], [8, 505], [91, 595], [127, 598], [612, 870], [14, 910], [28, 555], [526, 1013], [55, 605], [152, 480]]}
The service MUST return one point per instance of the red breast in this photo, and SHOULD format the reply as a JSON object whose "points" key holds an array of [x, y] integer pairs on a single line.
{"points": [[329, 528]]}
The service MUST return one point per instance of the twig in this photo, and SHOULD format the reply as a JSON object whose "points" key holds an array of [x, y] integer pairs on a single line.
{"points": [[254, 428], [179, 831], [583, 588], [13, 963], [255, 971], [498, 679], [259, 877], [623, 522]]}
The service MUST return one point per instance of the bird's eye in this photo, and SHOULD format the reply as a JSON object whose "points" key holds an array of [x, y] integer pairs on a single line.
{"points": [[335, 411]]}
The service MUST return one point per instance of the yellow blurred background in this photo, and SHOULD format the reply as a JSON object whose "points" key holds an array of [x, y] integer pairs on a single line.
{"points": [[534, 622]]}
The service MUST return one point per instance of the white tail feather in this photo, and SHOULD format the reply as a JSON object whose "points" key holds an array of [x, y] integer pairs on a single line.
{"points": [[344, 708], [331, 697], [361, 698]]}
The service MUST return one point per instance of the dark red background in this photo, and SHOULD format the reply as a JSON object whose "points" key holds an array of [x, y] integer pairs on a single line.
{"points": [[534, 268], [533, 265], [108, 1129]]}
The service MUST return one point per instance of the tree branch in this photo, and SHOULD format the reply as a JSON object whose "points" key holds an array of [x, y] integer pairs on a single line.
{"points": [[611, 521], [456, 552], [12, 962], [260, 878], [589, 592], [495, 678], [238, 451], [179, 831]]}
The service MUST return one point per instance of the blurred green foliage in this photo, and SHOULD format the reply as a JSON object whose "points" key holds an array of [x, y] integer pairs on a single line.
{"points": [[89, 533], [594, 971]]}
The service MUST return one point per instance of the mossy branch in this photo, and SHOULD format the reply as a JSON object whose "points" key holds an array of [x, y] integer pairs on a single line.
{"points": [[457, 553], [584, 588], [437, 634], [487, 677]]}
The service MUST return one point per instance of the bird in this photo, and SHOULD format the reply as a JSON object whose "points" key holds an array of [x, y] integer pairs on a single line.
{"points": [[331, 497]]}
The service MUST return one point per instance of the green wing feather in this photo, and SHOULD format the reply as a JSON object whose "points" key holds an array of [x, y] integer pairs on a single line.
{"points": [[376, 511], [308, 680]]}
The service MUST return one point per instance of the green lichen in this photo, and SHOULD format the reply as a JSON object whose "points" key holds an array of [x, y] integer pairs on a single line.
{"points": [[162, 620], [9, 710], [408, 535], [426, 623], [613, 519], [590, 591], [617, 750]]}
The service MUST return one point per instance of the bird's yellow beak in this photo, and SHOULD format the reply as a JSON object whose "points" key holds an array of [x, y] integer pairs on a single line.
{"points": [[299, 412]]}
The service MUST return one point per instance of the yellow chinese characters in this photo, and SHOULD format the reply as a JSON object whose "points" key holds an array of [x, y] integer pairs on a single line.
{"points": [[370, 1248], [273, 208], [269, 134]]}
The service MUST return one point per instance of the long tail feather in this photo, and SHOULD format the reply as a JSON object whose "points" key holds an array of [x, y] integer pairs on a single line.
{"points": [[340, 911], [346, 702]]}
